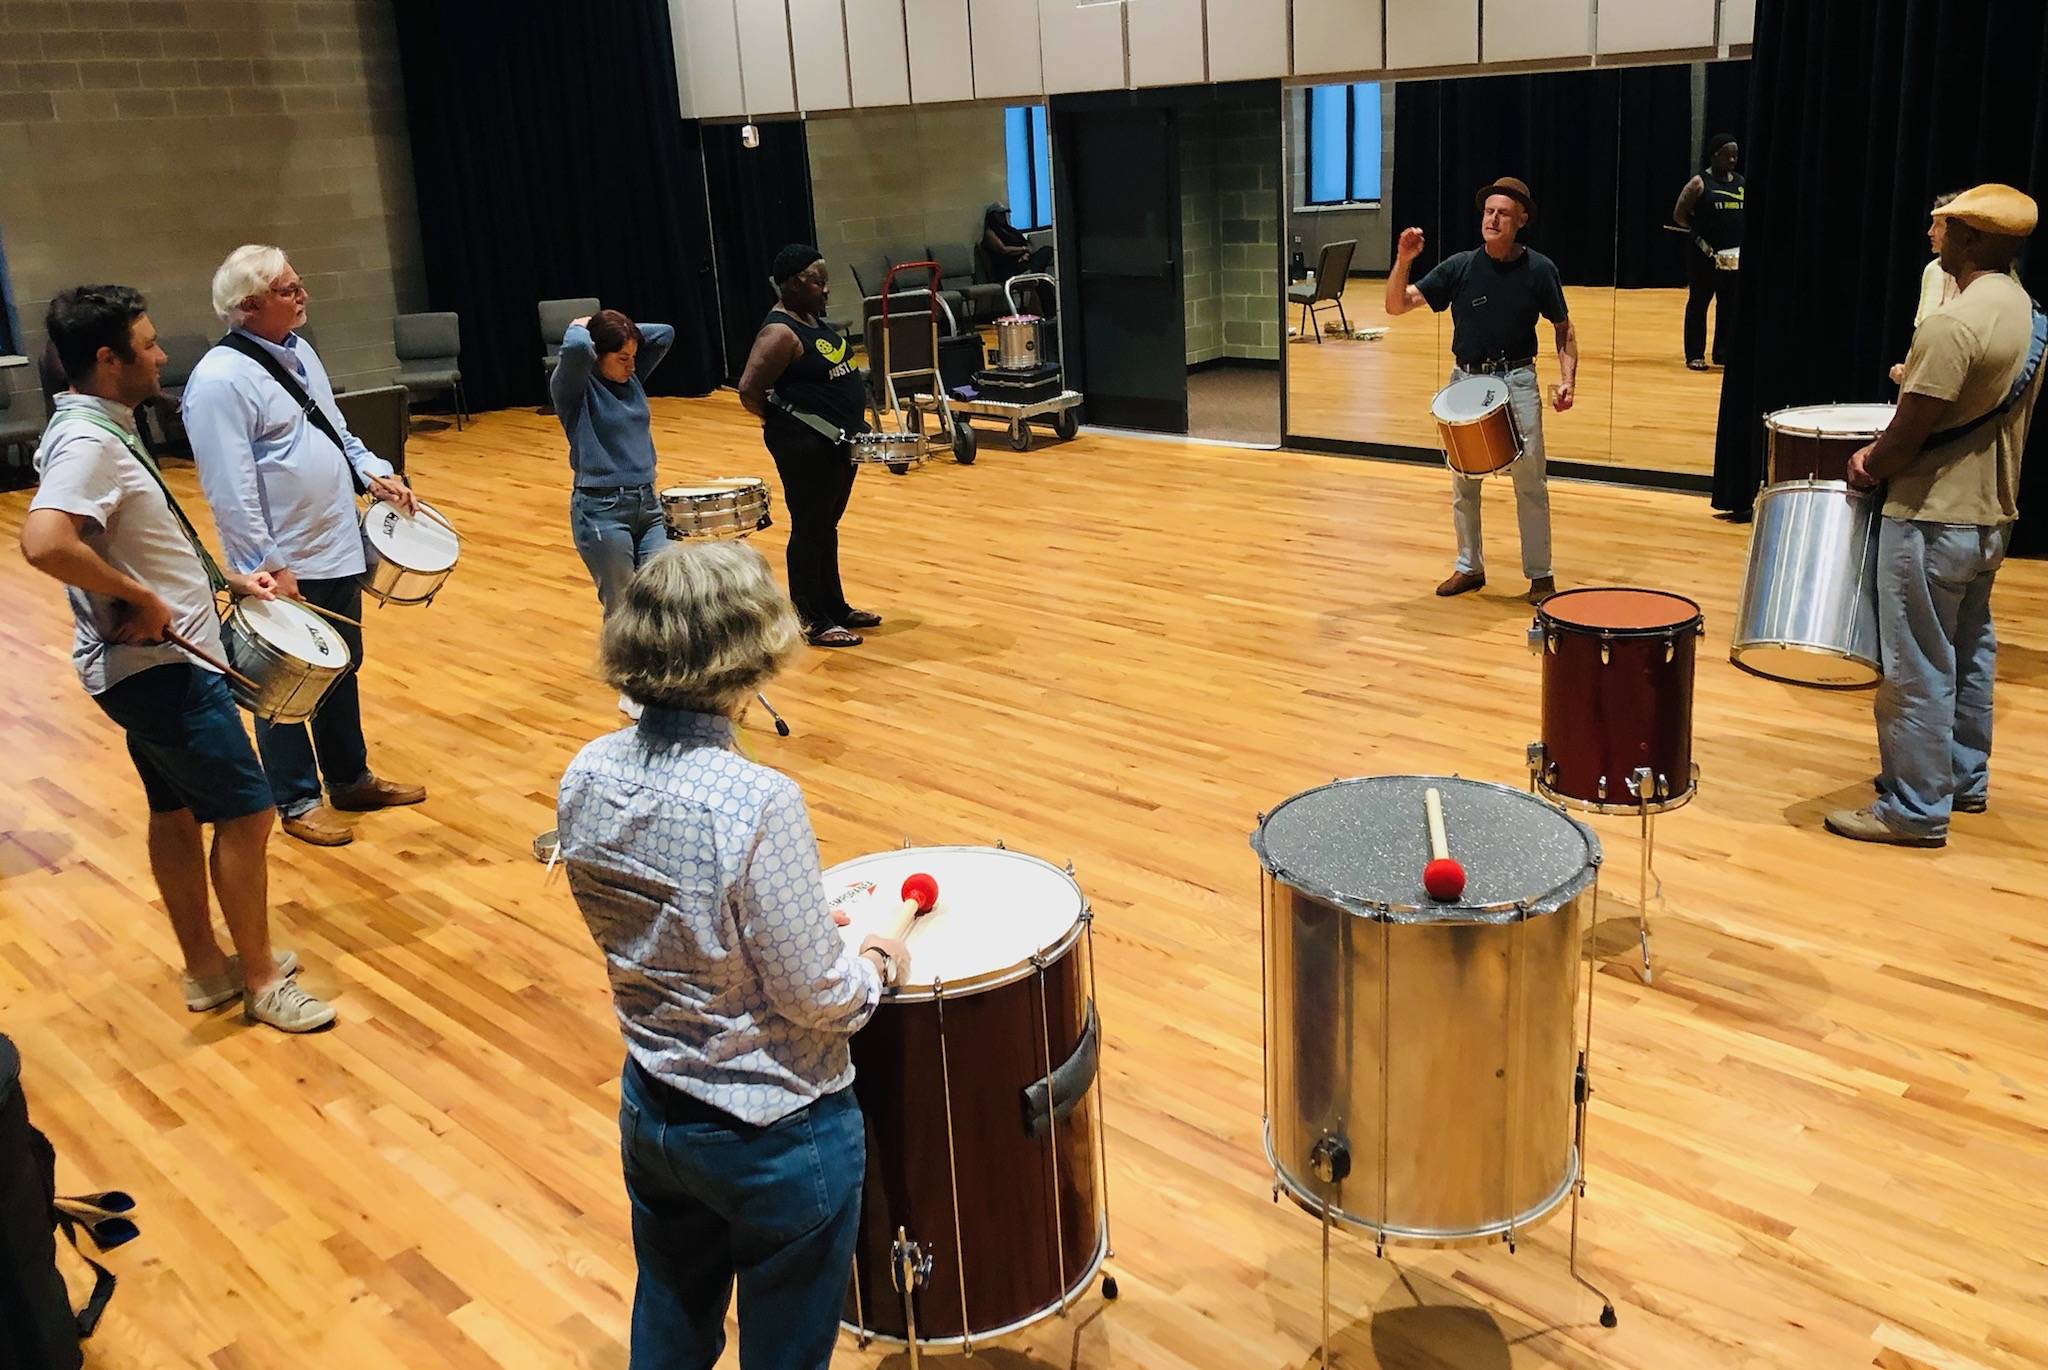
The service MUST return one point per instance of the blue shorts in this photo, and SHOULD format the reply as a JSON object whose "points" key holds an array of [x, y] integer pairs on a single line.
{"points": [[188, 744]]}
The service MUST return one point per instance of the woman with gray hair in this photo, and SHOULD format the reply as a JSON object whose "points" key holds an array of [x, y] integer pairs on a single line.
{"points": [[698, 875]]}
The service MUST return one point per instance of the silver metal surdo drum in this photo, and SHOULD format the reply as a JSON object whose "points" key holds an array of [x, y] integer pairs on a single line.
{"points": [[1422, 1072]]}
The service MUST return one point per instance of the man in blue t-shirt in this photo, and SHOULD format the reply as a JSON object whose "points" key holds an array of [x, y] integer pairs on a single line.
{"points": [[1495, 294]]}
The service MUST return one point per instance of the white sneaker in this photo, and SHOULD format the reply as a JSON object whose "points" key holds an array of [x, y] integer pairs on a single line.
{"points": [[211, 991], [629, 708], [287, 1008]]}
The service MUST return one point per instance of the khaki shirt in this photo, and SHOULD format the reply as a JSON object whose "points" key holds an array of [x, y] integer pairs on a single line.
{"points": [[1969, 352]]}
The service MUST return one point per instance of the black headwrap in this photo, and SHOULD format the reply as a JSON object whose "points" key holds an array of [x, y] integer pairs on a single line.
{"points": [[791, 260]]}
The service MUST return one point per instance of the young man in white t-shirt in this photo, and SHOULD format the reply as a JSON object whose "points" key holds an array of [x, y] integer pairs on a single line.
{"points": [[103, 523]]}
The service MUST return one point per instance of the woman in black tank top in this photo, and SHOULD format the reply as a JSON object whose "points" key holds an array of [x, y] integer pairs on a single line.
{"points": [[1711, 206], [808, 367]]}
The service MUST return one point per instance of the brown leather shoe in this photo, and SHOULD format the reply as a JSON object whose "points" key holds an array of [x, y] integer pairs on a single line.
{"points": [[319, 826], [1542, 588], [1462, 582], [375, 794]]}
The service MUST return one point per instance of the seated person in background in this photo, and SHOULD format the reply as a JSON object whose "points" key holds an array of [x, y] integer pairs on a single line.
{"points": [[1009, 252]]}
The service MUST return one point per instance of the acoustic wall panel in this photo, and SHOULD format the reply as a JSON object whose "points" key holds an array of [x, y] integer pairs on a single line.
{"points": [[1081, 45], [1166, 42], [1530, 29], [817, 32], [1432, 33], [1336, 35], [1655, 25], [941, 60], [1005, 37], [876, 52], [1247, 39], [764, 59], [707, 57]]}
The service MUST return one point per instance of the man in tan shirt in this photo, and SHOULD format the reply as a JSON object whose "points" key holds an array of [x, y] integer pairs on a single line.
{"points": [[1952, 460]]}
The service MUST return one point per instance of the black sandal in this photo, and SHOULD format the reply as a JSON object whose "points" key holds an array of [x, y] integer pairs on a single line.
{"points": [[1696, 364], [832, 635], [860, 618]]}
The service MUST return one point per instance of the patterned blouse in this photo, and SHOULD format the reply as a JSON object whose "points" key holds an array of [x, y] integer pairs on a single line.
{"points": [[697, 872]]}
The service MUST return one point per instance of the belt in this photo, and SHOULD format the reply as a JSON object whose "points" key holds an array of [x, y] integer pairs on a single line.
{"points": [[613, 489], [1495, 368]]}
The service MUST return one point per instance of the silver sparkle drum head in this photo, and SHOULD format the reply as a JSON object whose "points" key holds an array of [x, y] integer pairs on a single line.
{"points": [[1420, 1057]]}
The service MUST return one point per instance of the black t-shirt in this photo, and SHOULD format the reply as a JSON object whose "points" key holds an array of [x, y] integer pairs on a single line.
{"points": [[822, 380], [1494, 305]]}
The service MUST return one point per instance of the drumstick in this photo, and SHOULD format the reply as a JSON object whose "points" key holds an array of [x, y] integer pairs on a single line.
{"points": [[920, 892], [326, 613], [1443, 878], [230, 672], [435, 515]]}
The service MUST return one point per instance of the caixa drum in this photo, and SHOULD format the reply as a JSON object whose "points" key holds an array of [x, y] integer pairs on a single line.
{"points": [[408, 557], [1422, 1069], [983, 1209], [729, 507], [290, 655], [1617, 699], [1476, 427]]}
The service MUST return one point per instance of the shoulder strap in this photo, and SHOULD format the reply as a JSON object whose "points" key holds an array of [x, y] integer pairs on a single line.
{"points": [[2037, 346], [100, 421], [255, 352]]}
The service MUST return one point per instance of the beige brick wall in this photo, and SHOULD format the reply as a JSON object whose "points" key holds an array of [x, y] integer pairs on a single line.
{"points": [[1230, 228], [142, 140]]}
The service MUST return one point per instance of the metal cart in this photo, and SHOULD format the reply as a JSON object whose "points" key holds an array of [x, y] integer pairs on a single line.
{"points": [[903, 351], [1055, 411]]}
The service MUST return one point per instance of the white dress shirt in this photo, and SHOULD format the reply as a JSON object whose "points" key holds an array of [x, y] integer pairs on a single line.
{"points": [[279, 487]]}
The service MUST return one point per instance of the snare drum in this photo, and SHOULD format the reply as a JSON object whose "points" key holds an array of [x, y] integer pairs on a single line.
{"points": [[294, 656], [1617, 699], [977, 1081], [885, 449], [1421, 1064], [408, 557], [1815, 441], [729, 507], [1728, 259], [1475, 425], [1808, 612]]}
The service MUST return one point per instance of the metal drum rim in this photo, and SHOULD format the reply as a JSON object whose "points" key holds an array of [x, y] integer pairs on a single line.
{"points": [[1736, 649], [1001, 975], [1549, 901], [1697, 621], [1770, 427], [1784, 487], [1053, 1309], [1566, 801]]}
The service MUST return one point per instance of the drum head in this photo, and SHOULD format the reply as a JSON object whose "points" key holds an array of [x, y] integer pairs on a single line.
{"points": [[293, 631], [1619, 610], [996, 910], [740, 483], [1864, 421], [683, 494], [1363, 844], [1472, 398], [413, 541]]}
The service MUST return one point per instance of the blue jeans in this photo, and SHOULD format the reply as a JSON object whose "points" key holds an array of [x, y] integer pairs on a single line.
{"points": [[329, 746], [1532, 491], [1939, 650], [715, 1200], [616, 531]]}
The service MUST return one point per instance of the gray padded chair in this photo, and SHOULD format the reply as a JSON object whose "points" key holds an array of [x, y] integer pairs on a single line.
{"points": [[555, 317], [159, 421], [381, 418], [21, 428], [429, 350], [1333, 267], [957, 262]]}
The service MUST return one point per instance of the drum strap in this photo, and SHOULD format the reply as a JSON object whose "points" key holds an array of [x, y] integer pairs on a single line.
{"points": [[212, 567], [307, 406], [831, 432], [2036, 346]]}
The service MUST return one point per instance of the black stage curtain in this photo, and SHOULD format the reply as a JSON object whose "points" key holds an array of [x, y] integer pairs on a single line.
{"points": [[1863, 111], [552, 161], [1657, 158], [760, 200]]}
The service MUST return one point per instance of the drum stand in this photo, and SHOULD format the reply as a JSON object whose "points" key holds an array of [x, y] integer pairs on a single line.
{"points": [[1643, 787]]}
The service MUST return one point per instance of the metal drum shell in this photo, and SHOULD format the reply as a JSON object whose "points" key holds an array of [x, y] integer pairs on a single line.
{"points": [[1017, 342], [1808, 610], [1616, 699], [1450, 1036], [388, 582], [885, 449], [290, 690], [734, 510]]}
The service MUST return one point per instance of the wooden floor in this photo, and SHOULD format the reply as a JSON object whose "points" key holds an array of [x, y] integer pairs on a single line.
{"points": [[1637, 405], [1819, 1139]]}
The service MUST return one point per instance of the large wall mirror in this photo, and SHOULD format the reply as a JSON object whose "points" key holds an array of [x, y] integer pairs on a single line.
{"points": [[1606, 153]]}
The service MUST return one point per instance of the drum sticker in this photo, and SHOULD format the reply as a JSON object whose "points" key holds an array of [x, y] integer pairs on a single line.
{"points": [[319, 640], [859, 892], [390, 520]]}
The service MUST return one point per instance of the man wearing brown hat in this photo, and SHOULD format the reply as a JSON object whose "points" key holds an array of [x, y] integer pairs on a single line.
{"points": [[1495, 294], [1952, 460]]}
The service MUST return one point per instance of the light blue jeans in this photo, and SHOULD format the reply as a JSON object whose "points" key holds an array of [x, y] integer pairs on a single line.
{"points": [[1939, 650], [1532, 491], [616, 531]]}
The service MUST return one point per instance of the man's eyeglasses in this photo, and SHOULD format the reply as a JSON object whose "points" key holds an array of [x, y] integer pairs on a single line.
{"points": [[295, 291]]}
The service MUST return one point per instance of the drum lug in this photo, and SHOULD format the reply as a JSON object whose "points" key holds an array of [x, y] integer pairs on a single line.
{"points": [[1606, 650], [1550, 643], [1602, 791], [910, 1265], [1670, 651], [1000, 845], [1330, 1159], [1070, 867]]}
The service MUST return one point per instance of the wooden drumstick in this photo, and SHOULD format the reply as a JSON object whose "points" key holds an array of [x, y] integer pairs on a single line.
{"points": [[1443, 878], [230, 672], [919, 892], [435, 515], [324, 613]]}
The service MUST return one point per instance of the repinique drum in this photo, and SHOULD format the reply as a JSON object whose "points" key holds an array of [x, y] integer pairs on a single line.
{"points": [[977, 1081], [729, 507], [1421, 1064], [1815, 441], [409, 556], [1728, 259], [1617, 699], [885, 449], [1475, 425], [294, 656], [1808, 612]]}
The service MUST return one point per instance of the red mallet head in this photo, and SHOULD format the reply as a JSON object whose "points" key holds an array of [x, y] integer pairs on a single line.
{"points": [[925, 891], [1444, 879]]}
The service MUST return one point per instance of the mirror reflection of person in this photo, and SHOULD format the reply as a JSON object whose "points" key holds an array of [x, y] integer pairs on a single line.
{"points": [[1495, 295], [1009, 252], [1711, 206]]}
